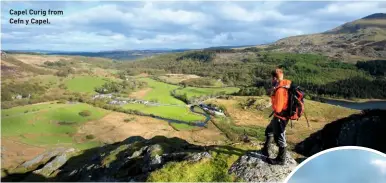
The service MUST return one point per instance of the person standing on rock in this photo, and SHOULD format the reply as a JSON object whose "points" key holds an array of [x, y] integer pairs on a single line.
{"points": [[276, 128]]}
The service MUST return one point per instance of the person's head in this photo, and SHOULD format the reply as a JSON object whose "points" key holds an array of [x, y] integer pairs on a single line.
{"points": [[277, 75]]}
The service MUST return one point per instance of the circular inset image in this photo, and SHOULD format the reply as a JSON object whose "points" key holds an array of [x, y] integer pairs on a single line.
{"points": [[342, 165]]}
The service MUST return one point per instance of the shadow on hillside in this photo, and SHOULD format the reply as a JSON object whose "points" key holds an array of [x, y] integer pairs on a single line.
{"points": [[195, 124], [366, 129], [91, 165]]}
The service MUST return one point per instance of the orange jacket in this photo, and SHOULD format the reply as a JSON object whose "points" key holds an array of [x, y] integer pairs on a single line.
{"points": [[279, 98]]}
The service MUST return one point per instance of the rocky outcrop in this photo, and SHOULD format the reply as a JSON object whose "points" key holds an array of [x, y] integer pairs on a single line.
{"points": [[42, 166], [130, 160], [56, 163], [366, 129], [41, 159], [253, 167], [135, 158]]}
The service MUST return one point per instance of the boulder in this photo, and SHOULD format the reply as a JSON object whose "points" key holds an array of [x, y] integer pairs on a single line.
{"points": [[56, 163], [253, 167], [198, 156], [51, 167], [40, 160], [153, 158]]}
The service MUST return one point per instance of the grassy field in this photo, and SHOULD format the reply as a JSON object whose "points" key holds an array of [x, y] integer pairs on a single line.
{"points": [[160, 92], [47, 124], [170, 112], [197, 92], [84, 83]]}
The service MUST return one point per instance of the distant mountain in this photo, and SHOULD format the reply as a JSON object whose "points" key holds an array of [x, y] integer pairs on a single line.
{"points": [[360, 39], [118, 55]]}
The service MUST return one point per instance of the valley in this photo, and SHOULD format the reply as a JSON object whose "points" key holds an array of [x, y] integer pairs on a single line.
{"points": [[185, 115], [50, 114]]}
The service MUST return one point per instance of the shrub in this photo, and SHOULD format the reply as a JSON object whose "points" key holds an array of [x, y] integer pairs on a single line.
{"points": [[62, 86], [64, 72], [85, 113], [89, 137], [199, 82]]}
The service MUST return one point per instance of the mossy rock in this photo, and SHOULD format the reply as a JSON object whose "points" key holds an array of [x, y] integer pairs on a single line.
{"points": [[113, 155], [155, 150]]}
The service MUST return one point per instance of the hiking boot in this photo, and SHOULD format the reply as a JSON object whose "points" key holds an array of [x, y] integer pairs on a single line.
{"points": [[280, 158], [267, 146]]}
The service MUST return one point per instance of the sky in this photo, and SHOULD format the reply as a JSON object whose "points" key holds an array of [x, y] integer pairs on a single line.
{"points": [[343, 166], [107, 25]]}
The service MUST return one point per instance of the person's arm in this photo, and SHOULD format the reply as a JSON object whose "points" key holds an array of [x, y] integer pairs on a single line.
{"points": [[279, 100]]}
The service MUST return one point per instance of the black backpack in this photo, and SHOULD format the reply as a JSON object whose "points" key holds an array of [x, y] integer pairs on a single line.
{"points": [[295, 102]]}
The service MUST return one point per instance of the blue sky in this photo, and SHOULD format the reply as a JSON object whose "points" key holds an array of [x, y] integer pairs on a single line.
{"points": [[95, 26], [343, 166]]}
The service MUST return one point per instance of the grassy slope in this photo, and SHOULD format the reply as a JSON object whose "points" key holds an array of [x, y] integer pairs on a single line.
{"points": [[39, 126], [24, 67], [161, 92], [84, 83], [213, 170]]}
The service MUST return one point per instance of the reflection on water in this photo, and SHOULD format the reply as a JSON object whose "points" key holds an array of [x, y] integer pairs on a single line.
{"points": [[358, 105]]}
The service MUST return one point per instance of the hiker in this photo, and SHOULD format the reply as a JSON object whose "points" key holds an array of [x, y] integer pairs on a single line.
{"points": [[276, 128]]}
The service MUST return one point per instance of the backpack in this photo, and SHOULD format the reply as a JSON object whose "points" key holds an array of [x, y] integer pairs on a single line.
{"points": [[295, 102]]}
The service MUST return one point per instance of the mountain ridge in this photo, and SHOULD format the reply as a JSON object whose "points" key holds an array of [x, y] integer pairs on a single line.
{"points": [[362, 39]]}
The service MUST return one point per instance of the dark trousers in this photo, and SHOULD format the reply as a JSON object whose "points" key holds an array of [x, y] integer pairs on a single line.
{"points": [[276, 128]]}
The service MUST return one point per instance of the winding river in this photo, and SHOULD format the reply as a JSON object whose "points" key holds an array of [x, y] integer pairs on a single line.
{"points": [[198, 123]]}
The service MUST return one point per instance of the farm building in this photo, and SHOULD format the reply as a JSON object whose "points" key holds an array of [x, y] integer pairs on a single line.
{"points": [[211, 109]]}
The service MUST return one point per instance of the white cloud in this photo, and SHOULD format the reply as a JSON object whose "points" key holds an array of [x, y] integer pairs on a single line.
{"points": [[131, 25], [259, 12], [101, 13], [153, 13], [381, 164], [353, 9]]}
